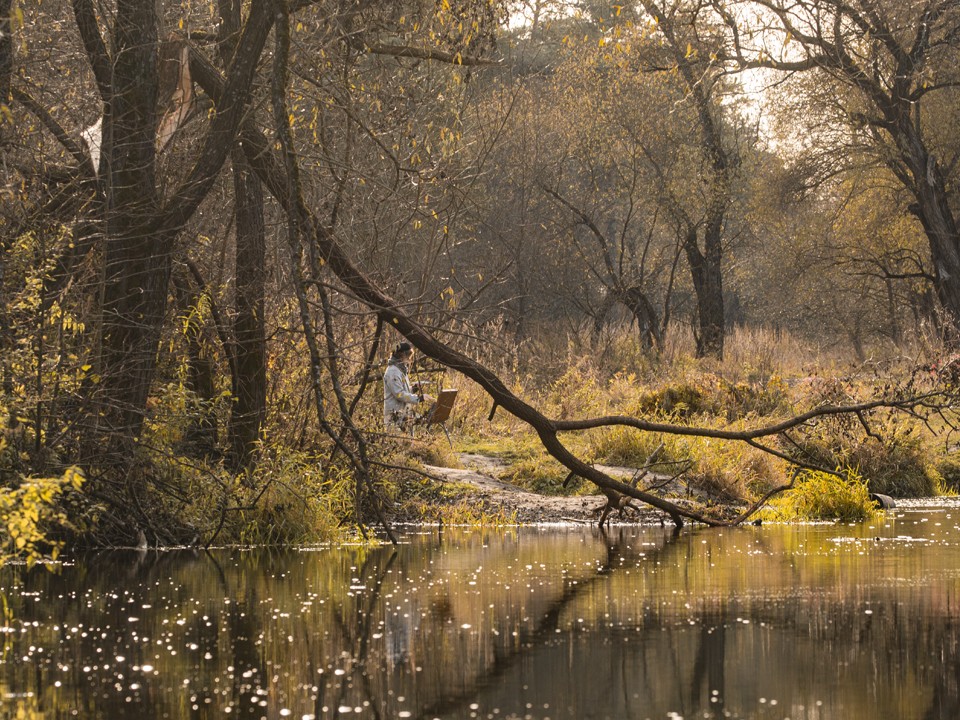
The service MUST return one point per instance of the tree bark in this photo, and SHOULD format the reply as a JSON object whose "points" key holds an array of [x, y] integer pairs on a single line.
{"points": [[6, 50], [250, 345], [136, 257], [249, 381], [708, 288], [932, 209], [140, 228]]}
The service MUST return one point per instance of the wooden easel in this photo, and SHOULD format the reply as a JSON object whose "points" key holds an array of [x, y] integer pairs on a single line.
{"points": [[440, 412]]}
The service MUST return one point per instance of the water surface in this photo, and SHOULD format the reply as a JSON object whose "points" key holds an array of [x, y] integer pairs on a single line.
{"points": [[816, 622]]}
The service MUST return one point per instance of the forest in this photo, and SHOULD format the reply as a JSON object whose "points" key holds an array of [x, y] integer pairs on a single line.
{"points": [[715, 240]]}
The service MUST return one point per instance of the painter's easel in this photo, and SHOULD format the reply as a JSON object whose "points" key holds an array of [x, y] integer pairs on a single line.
{"points": [[440, 412]]}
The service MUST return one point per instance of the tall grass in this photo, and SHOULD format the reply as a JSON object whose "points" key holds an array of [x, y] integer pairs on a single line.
{"points": [[766, 376], [821, 496]]}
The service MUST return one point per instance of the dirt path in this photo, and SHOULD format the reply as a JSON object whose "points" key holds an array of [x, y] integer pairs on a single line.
{"points": [[497, 496]]}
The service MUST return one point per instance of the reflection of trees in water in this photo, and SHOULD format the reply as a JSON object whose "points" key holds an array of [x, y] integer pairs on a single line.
{"points": [[730, 646], [653, 653], [945, 703], [544, 631], [359, 630]]}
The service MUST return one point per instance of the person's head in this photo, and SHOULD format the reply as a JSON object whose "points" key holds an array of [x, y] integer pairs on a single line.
{"points": [[403, 351]]}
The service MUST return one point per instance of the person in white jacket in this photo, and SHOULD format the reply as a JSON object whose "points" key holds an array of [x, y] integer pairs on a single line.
{"points": [[399, 397]]}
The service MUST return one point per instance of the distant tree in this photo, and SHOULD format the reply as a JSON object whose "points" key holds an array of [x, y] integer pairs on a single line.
{"points": [[885, 92]]}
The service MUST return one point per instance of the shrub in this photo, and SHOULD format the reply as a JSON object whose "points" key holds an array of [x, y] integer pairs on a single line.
{"points": [[948, 466], [893, 461], [822, 496], [29, 514]]}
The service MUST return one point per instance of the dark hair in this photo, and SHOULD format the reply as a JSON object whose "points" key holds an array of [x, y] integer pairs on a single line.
{"points": [[403, 348]]}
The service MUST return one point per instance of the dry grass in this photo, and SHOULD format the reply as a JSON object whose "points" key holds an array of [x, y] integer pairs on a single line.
{"points": [[766, 376]]}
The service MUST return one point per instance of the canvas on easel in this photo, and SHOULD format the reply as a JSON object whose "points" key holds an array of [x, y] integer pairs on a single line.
{"points": [[440, 412], [442, 408]]}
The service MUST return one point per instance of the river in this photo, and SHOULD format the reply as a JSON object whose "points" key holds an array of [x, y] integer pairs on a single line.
{"points": [[809, 622]]}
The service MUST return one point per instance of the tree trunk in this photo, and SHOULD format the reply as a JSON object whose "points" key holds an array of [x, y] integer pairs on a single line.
{"points": [[137, 255], [940, 226], [705, 266], [708, 287], [6, 50], [250, 378], [648, 324], [896, 331], [140, 228]]}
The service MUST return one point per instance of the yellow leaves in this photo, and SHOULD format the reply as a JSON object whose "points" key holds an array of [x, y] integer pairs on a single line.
{"points": [[449, 295], [29, 512]]}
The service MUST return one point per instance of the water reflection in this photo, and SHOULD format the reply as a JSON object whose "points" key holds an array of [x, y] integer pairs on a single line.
{"points": [[809, 623]]}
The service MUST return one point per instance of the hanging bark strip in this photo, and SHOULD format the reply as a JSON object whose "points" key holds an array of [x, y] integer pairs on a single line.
{"points": [[142, 225]]}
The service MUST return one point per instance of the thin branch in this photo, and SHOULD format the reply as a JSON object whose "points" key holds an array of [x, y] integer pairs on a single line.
{"points": [[58, 131], [421, 53]]}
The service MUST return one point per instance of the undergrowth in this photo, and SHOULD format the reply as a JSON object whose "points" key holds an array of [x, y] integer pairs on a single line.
{"points": [[822, 496], [763, 380], [299, 491]]}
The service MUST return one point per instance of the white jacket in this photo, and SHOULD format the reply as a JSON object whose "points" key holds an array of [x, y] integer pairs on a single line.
{"points": [[398, 396]]}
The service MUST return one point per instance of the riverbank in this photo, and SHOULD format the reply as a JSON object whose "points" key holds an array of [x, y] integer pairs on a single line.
{"points": [[488, 496]]}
